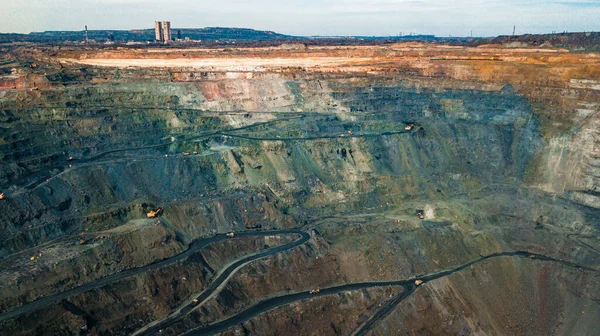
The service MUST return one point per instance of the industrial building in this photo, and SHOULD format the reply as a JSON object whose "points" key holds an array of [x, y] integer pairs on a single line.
{"points": [[162, 31]]}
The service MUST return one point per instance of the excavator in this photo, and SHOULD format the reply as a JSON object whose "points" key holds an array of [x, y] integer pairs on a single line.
{"points": [[82, 241], [420, 215], [315, 291], [154, 213], [230, 235], [2, 196], [418, 282], [409, 127]]}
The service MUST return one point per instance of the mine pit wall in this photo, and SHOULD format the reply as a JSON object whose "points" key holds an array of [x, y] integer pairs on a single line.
{"points": [[478, 139], [471, 139], [330, 315], [68, 264], [124, 306], [349, 256], [501, 296]]}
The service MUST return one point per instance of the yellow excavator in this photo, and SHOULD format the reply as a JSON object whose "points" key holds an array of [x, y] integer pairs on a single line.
{"points": [[154, 213], [82, 241]]}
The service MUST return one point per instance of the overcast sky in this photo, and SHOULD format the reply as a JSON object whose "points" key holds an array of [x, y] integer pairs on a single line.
{"points": [[309, 17]]}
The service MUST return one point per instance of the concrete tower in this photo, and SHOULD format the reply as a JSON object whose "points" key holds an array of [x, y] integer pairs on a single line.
{"points": [[162, 31], [166, 25], [158, 31]]}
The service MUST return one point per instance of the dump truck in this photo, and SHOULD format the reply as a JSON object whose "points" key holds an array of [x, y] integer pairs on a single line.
{"points": [[154, 213], [315, 291], [230, 235], [186, 153], [2, 196]]}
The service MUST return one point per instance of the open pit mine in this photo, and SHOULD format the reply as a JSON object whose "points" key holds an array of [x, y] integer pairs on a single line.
{"points": [[394, 189]]}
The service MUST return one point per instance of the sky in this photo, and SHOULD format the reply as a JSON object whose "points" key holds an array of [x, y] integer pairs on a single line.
{"points": [[309, 17]]}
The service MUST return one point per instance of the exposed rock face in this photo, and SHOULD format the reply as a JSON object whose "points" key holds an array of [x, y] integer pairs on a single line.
{"points": [[67, 264], [500, 298], [332, 315], [501, 154]]}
